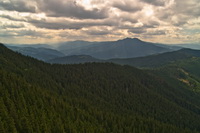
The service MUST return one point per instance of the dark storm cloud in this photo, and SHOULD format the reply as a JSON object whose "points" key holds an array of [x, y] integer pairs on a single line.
{"points": [[19, 6], [127, 6], [71, 9]]}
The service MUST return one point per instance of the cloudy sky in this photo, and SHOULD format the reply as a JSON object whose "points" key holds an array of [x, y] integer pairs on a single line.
{"points": [[49, 21]]}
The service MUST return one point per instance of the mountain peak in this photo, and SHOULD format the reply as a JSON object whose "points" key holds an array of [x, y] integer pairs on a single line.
{"points": [[131, 39]]}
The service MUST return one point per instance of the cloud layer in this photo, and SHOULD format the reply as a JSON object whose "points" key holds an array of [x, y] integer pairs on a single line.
{"points": [[41, 21]]}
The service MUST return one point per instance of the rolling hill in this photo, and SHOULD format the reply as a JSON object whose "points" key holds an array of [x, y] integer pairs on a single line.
{"points": [[67, 47], [39, 53], [74, 59], [92, 97], [147, 61], [158, 59]]}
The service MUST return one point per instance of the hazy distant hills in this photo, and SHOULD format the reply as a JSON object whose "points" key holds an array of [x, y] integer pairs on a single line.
{"points": [[38, 53], [121, 51], [192, 46], [159, 59], [69, 47], [126, 48], [50, 46], [74, 59], [147, 61]]}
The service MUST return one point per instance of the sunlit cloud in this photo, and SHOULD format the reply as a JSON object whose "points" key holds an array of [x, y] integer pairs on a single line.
{"points": [[40, 21]]}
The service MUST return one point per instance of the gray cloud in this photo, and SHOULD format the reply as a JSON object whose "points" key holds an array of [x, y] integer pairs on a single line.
{"points": [[62, 23], [71, 9], [190, 8], [98, 18], [20, 6], [127, 6], [97, 33], [15, 33], [7, 34], [12, 18], [180, 12], [155, 2], [57, 25], [65, 24], [12, 26], [128, 19], [32, 33], [156, 32], [137, 30], [151, 24]]}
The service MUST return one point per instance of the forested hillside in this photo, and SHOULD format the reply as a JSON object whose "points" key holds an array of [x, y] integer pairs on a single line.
{"points": [[94, 97], [158, 60], [186, 71]]}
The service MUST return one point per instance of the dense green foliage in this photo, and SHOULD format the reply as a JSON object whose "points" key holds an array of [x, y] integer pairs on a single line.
{"points": [[184, 71], [95, 97]]}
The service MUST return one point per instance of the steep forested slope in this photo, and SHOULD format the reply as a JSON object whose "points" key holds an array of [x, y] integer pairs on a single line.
{"points": [[39, 97], [185, 71]]}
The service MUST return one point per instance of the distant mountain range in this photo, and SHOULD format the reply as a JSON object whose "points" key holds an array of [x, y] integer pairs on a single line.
{"points": [[116, 51], [40, 53], [126, 48], [68, 47], [147, 61], [192, 46], [50, 46]]}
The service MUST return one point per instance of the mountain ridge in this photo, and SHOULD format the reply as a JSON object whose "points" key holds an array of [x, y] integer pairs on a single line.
{"points": [[118, 49], [158, 59], [124, 48], [74, 59], [40, 53]]}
